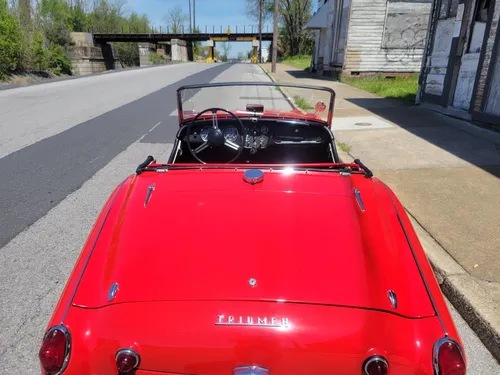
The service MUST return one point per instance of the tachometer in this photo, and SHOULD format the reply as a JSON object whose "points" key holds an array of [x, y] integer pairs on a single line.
{"points": [[231, 134], [204, 133]]}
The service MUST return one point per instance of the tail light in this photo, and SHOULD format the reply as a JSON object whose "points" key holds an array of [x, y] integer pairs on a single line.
{"points": [[127, 360], [448, 358], [375, 365], [55, 350]]}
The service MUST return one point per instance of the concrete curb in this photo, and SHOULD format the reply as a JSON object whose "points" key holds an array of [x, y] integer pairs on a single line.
{"points": [[283, 90], [466, 294]]}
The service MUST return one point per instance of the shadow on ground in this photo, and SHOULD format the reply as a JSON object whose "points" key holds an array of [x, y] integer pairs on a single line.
{"points": [[466, 141]]}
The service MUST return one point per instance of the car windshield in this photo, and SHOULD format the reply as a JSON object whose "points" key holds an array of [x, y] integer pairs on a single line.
{"points": [[262, 99]]}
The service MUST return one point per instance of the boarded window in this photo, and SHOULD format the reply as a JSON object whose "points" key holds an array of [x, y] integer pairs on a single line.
{"points": [[406, 24]]}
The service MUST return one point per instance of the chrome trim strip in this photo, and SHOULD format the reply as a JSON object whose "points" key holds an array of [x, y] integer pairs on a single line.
{"points": [[393, 298], [151, 188], [253, 370], [435, 352], [433, 302], [87, 260], [131, 352], [67, 353], [357, 194], [112, 291], [373, 359]]}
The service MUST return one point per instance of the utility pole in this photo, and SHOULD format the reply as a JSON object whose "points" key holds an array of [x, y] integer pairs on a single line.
{"points": [[194, 14], [275, 38], [190, 26], [260, 30]]}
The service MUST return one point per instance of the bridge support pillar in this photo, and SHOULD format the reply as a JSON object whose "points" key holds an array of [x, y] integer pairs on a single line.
{"points": [[88, 57], [179, 50], [145, 51]]}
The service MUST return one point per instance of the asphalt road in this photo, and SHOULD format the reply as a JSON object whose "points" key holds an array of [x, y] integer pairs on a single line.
{"points": [[63, 148]]}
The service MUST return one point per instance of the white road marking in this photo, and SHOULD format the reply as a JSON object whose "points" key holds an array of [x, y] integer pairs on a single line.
{"points": [[154, 127], [30, 114]]}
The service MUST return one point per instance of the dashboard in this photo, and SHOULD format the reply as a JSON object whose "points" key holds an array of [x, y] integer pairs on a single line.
{"points": [[261, 133]]}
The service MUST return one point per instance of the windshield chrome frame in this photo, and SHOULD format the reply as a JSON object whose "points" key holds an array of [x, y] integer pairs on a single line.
{"points": [[180, 112]]}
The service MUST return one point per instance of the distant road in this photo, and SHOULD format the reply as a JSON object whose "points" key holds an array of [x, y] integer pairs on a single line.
{"points": [[63, 148]]}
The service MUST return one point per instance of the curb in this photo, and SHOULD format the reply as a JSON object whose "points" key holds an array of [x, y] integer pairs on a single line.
{"points": [[465, 293], [283, 91]]}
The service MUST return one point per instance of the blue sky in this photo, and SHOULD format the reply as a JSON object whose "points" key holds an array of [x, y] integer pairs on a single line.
{"points": [[209, 13]]}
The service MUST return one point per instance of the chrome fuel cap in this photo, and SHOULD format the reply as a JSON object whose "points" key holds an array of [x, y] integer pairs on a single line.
{"points": [[253, 176]]}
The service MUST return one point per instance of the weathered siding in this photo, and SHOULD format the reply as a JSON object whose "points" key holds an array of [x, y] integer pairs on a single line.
{"points": [[372, 44], [487, 60]]}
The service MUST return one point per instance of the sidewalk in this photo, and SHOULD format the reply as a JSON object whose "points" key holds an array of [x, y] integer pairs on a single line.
{"points": [[446, 173]]}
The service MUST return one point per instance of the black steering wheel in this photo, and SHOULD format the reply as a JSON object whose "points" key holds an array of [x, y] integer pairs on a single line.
{"points": [[215, 137]]}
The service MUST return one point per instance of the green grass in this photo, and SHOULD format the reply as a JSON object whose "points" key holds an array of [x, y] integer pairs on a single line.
{"points": [[403, 88], [344, 147], [302, 103], [299, 61]]}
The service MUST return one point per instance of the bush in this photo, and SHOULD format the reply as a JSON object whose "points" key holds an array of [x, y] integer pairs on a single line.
{"points": [[59, 62], [38, 52], [10, 40], [157, 59]]}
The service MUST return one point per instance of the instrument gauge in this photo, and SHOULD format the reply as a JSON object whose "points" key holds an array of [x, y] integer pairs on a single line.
{"points": [[264, 129], [231, 134], [204, 133]]}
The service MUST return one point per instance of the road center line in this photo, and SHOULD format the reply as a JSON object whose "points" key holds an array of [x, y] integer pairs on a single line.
{"points": [[153, 128]]}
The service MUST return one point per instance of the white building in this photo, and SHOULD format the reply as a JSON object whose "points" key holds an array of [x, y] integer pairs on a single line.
{"points": [[368, 36]]}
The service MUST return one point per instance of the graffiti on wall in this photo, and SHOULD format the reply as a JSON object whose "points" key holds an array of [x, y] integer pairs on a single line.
{"points": [[405, 29]]}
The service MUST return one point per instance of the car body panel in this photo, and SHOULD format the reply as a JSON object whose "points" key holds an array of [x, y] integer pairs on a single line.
{"points": [[220, 230], [182, 337]]}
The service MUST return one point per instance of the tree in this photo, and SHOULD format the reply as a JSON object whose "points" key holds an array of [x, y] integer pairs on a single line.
{"points": [[175, 19], [10, 40], [252, 10], [226, 47], [294, 15]]}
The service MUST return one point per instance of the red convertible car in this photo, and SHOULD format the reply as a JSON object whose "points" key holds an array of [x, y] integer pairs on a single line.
{"points": [[253, 250]]}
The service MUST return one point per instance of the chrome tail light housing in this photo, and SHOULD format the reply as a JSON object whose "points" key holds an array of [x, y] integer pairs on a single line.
{"points": [[448, 358], [375, 365], [55, 350]]}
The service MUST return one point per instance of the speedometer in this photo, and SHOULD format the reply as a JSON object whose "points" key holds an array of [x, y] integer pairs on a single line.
{"points": [[204, 133], [231, 134]]}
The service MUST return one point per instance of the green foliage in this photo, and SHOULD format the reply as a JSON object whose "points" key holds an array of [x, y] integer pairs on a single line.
{"points": [[77, 17], [10, 40], [36, 35], [157, 59], [127, 53], [403, 88], [59, 63], [39, 54]]}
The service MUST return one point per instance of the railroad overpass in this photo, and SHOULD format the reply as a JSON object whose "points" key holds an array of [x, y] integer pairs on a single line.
{"points": [[93, 51]]}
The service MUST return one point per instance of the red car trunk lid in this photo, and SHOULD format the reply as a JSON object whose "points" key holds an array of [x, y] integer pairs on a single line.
{"points": [[207, 235]]}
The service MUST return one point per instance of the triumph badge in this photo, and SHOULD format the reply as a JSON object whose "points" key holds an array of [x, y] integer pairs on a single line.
{"points": [[266, 321]]}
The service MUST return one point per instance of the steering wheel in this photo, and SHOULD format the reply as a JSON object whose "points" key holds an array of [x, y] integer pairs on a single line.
{"points": [[215, 137]]}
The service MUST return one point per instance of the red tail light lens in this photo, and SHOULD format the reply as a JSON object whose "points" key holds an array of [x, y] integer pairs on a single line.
{"points": [[127, 360], [54, 353], [375, 365], [448, 358]]}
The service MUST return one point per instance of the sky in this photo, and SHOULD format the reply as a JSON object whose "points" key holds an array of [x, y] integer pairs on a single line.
{"points": [[209, 13]]}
